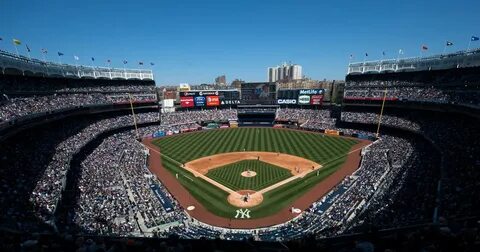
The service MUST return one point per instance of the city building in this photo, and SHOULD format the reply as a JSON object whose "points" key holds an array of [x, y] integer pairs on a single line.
{"points": [[221, 80], [285, 72], [237, 83]]}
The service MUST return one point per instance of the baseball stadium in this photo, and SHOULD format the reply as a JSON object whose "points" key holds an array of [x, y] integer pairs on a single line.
{"points": [[109, 158]]}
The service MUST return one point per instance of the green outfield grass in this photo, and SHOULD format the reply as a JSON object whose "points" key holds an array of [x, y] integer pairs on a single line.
{"points": [[329, 151], [267, 174]]}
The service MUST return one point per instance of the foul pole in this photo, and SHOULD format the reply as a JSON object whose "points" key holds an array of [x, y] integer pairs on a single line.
{"points": [[381, 112], [133, 115]]}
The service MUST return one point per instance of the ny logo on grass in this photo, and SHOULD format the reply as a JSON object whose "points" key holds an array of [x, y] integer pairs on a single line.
{"points": [[243, 214]]}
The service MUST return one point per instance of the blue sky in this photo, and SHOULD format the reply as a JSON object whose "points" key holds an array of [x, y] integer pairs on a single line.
{"points": [[195, 41]]}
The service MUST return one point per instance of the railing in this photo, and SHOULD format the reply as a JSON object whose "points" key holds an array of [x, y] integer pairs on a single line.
{"points": [[36, 67]]}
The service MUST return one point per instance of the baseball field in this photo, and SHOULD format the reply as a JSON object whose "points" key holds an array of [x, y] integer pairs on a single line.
{"points": [[267, 169]]}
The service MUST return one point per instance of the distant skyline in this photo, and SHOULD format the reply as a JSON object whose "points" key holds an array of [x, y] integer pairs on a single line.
{"points": [[196, 41]]}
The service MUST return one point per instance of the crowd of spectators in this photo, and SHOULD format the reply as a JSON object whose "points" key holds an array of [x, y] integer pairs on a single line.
{"points": [[455, 136], [110, 89], [44, 158], [373, 118], [413, 91], [462, 235], [15, 107], [115, 195], [192, 116], [307, 118]]}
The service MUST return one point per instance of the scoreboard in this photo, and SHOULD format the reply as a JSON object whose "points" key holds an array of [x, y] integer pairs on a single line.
{"points": [[309, 97], [209, 98]]}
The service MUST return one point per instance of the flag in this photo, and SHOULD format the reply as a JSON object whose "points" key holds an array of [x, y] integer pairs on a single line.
{"points": [[400, 51], [93, 59], [60, 53], [449, 43], [125, 62], [140, 63], [44, 51], [18, 42], [28, 48], [424, 47], [76, 57], [383, 53], [152, 64], [475, 38]]}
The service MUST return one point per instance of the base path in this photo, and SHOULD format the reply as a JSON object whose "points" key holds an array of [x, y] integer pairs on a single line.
{"points": [[202, 214]]}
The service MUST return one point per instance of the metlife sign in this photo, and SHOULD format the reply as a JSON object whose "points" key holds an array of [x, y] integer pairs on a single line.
{"points": [[304, 99], [286, 101], [310, 92]]}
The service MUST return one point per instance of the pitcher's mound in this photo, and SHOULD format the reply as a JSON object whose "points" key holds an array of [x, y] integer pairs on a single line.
{"points": [[249, 174], [245, 198]]}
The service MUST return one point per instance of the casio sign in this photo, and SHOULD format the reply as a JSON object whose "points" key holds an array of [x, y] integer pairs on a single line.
{"points": [[287, 101]]}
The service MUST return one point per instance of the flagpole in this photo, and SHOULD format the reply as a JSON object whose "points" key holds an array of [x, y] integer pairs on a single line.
{"points": [[28, 52], [43, 57], [93, 68], [16, 49]]}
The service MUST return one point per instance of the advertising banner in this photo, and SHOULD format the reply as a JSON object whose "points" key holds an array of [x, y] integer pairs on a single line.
{"points": [[303, 99], [158, 134], [230, 102], [286, 101], [332, 132], [213, 100], [164, 200], [316, 99], [310, 92], [200, 101], [187, 102], [199, 93], [208, 92]]}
